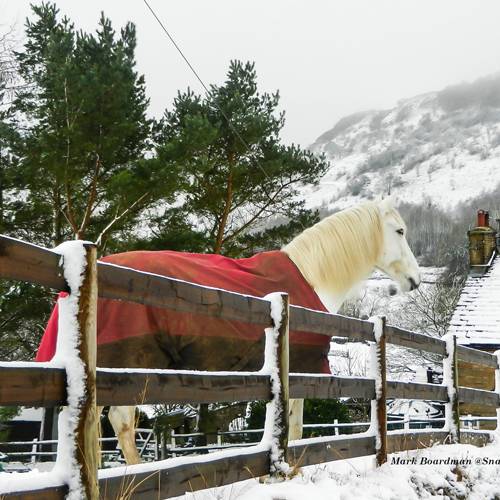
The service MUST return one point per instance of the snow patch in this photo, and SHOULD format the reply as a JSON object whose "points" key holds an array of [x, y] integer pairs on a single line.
{"points": [[74, 261]]}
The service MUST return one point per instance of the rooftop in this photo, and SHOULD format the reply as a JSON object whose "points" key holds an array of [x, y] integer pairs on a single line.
{"points": [[476, 320]]}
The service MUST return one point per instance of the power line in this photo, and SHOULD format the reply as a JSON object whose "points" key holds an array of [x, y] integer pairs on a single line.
{"points": [[207, 90]]}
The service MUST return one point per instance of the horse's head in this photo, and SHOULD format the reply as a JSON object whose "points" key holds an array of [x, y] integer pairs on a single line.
{"points": [[396, 259]]}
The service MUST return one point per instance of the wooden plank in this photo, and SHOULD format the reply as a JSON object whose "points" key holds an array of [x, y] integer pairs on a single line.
{"points": [[319, 450], [47, 387], [35, 385], [26, 262], [121, 389], [327, 387], [476, 438], [121, 283], [52, 493], [87, 426], [413, 340], [412, 390], [477, 357], [478, 396], [32, 386], [403, 441], [308, 320], [177, 480], [171, 481]]}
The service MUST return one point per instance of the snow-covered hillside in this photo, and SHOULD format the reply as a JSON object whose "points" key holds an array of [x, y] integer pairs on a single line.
{"points": [[443, 146]]}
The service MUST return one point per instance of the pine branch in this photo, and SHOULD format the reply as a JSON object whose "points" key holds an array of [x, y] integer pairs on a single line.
{"points": [[117, 218], [69, 203], [258, 214]]}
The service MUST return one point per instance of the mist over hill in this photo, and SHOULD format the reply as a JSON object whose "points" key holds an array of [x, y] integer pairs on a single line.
{"points": [[440, 148]]}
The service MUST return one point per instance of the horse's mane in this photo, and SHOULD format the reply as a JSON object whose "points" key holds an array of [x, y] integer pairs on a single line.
{"points": [[340, 250]]}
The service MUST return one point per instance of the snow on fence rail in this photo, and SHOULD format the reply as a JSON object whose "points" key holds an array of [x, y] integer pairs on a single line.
{"points": [[51, 384]]}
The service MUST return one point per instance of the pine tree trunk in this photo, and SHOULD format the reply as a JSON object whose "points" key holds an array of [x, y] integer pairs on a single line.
{"points": [[56, 221], [2, 229], [227, 208]]}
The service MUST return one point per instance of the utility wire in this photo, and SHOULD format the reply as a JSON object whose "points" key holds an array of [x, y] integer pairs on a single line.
{"points": [[207, 90]]}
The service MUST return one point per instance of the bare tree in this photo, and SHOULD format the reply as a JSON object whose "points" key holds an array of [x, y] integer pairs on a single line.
{"points": [[429, 309], [9, 76]]}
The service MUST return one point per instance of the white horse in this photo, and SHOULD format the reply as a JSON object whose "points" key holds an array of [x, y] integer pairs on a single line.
{"points": [[334, 256]]}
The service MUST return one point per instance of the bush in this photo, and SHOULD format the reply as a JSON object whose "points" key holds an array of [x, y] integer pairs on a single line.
{"points": [[316, 411]]}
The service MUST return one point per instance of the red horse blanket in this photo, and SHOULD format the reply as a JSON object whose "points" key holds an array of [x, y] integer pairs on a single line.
{"points": [[133, 335]]}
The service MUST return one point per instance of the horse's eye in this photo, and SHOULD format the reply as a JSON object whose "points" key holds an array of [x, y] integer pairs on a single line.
{"points": [[400, 231]]}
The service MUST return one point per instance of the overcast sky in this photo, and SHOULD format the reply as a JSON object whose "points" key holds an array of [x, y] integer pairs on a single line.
{"points": [[327, 58]]}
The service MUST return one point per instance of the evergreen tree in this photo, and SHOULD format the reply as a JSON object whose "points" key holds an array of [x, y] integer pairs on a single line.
{"points": [[72, 154], [236, 175], [82, 154], [8, 134], [238, 183]]}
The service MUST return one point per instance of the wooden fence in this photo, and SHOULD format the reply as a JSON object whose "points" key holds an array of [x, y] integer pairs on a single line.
{"points": [[31, 384]]}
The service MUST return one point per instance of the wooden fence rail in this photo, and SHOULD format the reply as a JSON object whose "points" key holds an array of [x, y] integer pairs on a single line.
{"points": [[48, 385], [27, 262]]}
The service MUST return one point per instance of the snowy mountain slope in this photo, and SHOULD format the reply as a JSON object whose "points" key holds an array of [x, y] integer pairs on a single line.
{"points": [[443, 146]]}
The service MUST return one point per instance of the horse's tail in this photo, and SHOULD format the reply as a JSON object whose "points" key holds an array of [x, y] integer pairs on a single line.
{"points": [[47, 347]]}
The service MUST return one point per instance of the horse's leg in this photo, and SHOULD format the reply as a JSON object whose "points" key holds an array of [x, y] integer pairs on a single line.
{"points": [[295, 419], [122, 419]]}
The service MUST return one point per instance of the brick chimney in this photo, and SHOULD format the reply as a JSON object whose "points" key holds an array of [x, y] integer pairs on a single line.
{"points": [[482, 241]]}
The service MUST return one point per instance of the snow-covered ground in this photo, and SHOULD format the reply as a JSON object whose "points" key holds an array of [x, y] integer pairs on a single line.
{"points": [[476, 477]]}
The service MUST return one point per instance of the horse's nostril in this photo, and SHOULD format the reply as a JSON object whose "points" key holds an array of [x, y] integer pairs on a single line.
{"points": [[413, 284]]}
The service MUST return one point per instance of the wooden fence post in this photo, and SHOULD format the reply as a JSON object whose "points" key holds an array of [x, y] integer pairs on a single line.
{"points": [[379, 405], [87, 436], [277, 413], [450, 371]]}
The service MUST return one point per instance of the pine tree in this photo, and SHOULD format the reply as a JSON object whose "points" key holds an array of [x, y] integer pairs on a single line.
{"points": [[72, 154], [239, 184], [236, 175], [82, 154]]}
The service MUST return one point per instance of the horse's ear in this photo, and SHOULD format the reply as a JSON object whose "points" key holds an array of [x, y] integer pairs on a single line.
{"points": [[386, 205]]}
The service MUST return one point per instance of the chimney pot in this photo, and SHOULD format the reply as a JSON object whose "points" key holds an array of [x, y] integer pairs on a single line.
{"points": [[483, 218]]}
